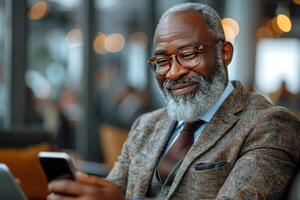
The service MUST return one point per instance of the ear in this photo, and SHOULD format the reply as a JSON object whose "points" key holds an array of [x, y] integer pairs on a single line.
{"points": [[227, 53]]}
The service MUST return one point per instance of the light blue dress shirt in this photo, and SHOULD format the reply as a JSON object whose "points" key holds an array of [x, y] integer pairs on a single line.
{"points": [[206, 118]]}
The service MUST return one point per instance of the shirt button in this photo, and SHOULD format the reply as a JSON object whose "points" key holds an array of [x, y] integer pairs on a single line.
{"points": [[165, 190]]}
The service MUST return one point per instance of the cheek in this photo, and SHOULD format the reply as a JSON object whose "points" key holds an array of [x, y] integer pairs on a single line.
{"points": [[206, 68], [160, 80]]}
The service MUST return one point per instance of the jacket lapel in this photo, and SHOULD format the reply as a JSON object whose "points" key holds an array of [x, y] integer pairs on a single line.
{"points": [[226, 116], [161, 133]]}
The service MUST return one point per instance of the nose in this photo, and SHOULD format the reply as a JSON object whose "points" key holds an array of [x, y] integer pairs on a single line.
{"points": [[176, 70]]}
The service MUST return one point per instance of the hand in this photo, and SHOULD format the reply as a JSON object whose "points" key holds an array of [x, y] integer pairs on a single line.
{"points": [[85, 188]]}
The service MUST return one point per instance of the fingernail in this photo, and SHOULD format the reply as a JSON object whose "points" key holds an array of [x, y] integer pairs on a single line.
{"points": [[83, 175]]}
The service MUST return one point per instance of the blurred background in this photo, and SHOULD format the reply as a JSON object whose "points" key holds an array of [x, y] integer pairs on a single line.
{"points": [[73, 73]]}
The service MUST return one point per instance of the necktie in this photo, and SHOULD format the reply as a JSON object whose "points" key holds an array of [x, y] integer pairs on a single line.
{"points": [[179, 149]]}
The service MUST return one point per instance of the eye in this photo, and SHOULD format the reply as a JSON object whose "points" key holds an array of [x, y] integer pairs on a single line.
{"points": [[162, 61], [188, 55]]}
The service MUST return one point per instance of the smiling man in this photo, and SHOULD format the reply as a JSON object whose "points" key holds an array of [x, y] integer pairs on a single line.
{"points": [[214, 139]]}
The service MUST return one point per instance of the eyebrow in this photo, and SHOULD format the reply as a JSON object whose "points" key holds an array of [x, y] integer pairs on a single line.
{"points": [[163, 52]]}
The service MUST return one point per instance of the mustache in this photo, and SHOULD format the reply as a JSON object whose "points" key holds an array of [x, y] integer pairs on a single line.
{"points": [[183, 80]]}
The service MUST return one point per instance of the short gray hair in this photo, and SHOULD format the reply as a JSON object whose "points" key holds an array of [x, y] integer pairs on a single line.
{"points": [[211, 17]]}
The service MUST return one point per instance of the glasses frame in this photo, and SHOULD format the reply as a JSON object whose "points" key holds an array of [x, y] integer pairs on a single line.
{"points": [[201, 48]]}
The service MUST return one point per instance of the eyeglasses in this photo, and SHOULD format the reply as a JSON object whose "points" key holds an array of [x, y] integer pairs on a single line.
{"points": [[187, 57]]}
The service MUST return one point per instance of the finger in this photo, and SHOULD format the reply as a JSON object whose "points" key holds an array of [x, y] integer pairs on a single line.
{"points": [[87, 179], [65, 186], [81, 175], [53, 196]]}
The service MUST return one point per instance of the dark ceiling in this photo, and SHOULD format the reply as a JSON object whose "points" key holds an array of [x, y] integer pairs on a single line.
{"points": [[271, 6]]}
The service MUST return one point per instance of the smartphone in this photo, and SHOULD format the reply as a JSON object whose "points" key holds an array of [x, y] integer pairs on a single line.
{"points": [[57, 165], [9, 189]]}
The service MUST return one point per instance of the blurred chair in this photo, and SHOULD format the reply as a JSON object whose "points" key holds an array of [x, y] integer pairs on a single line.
{"points": [[111, 140], [93, 168], [19, 149], [24, 165]]}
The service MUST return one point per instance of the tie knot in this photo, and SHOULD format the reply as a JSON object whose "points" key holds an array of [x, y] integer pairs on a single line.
{"points": [[192, 126]]}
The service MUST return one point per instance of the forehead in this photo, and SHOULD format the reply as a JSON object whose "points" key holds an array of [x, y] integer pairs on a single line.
{"points": [[187, 26]]}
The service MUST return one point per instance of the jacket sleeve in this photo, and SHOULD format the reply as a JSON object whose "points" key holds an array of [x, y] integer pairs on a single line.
{"points": [[119, 172], [268, 160]]}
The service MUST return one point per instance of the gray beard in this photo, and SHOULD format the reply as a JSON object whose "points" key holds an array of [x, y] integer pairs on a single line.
{"points": [[191, 106]]}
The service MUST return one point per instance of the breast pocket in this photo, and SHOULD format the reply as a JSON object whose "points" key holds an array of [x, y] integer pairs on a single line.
{"points": [[211, 165], [205, 179]]}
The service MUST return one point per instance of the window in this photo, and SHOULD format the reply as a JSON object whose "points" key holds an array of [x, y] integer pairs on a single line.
{"points": [[3, 77], [278, 61], [55, 66], [121, 49]]}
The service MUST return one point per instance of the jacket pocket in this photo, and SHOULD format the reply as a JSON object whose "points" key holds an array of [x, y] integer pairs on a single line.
{"points": [[204, 180], [211, 165]]}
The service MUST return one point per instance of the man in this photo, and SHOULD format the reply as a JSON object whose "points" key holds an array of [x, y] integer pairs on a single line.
{"points": [[242, 146]]}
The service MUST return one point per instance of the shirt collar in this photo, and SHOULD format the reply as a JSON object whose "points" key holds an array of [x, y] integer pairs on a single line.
{"points": [[208, 116]]}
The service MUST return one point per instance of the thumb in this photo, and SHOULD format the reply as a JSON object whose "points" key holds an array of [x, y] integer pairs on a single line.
{"points": [[82, 177], [87, 179]]}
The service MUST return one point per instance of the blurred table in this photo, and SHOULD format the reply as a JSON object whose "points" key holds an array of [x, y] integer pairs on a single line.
{"points": [[93, 168]]}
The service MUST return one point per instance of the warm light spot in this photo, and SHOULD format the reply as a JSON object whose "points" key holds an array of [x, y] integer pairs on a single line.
{"points": [[269, 24], [38, 10], [74, 37], [284, 23], [139, 37], [98, 43], [232, 24], [229, 33], [275, 27], [263, 32], [296, 2], [114, 42]]}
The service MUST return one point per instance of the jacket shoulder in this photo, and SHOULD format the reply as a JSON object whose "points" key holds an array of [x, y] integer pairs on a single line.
{"points": [[147, 121], [263, 108], [153, 116], [272, 127]]}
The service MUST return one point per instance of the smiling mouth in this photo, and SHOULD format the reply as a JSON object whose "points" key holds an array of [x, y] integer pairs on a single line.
{"points": [[182, 89]]}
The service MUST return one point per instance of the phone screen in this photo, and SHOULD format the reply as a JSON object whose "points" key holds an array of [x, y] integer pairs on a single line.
{"points": [[57, 167]]}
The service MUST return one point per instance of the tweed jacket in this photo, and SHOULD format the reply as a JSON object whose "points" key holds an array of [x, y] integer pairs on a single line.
{"points": [[257, 143]]}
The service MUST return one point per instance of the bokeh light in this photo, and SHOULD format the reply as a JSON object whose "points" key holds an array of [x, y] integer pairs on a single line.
{"points": [[74, 38], [114, 42], [296, 2], [38, 10], [274, 26], [40, 86], [232, 24], [98, 43], [264, 32], [55, 73], [284, 23], [231, 28], [229, 34]]}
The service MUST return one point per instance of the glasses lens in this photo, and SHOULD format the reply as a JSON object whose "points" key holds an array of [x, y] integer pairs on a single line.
{"points": [[160, 64], [189, 57]]}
